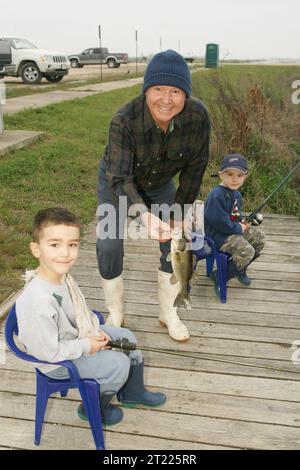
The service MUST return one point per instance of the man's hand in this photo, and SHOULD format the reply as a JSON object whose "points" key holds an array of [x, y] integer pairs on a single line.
{"points": [[156, 228], [245, 226], [99, 343]]}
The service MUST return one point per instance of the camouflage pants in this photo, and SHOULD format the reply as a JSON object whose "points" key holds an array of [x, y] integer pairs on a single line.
{"points": [[244, 247]]}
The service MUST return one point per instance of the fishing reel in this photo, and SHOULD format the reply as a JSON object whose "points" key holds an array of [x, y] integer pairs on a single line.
{"points": [[257, 220], [122, 343]]}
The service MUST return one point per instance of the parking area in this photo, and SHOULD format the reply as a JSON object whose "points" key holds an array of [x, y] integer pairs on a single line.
{"points": [[84, 73]]}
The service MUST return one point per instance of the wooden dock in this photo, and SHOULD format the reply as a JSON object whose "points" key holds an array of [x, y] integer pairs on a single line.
{"points": [[244, 391]]}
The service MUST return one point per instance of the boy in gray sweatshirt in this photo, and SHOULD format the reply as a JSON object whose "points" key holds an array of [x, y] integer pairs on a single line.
{"points": [[55, 323]]}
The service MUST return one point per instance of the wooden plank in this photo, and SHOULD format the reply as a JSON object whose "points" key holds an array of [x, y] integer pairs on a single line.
{"points": [[222, 347], [222, 331], [273, 244], [145, 292], [195, 429], [208, 329], [279, 236], [270, 255], [266, 262], [184, 380], [144, 275], [208, 302], [20, 433], [226, 315], [284, 238], [20, 406], [268, 368], [88, 280]]}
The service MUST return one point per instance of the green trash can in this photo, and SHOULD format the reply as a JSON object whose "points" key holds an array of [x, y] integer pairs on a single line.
{"points": [[212, 55]]}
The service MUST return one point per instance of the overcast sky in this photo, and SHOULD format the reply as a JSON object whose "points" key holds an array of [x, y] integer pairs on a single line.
{"points": [[243, 28]]}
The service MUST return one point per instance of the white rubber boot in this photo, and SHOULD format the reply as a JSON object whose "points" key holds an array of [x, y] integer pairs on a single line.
{"points": [[168, 316], [113, 292]]}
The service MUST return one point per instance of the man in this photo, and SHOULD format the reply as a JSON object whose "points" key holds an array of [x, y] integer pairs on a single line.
{"points": [[155, 136]]}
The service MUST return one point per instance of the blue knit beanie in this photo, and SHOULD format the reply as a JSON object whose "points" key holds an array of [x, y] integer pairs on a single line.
{"points": [[168, 68]]}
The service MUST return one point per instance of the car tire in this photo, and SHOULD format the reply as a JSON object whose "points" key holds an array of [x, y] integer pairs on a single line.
{"points": [[30, 73], [54, 78], [111, 63], [74, 63]]}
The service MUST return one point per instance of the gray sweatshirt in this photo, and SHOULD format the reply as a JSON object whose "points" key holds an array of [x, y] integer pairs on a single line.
{"points": [[47, 325]]}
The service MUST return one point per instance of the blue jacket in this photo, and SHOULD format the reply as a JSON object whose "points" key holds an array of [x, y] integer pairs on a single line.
{"points": [[222, 214]]}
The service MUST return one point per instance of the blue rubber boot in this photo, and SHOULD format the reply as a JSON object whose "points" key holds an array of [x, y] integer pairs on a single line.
{"points": [[244, 279], [111, 414], [233, 271], [134, 393], [242, 276]]}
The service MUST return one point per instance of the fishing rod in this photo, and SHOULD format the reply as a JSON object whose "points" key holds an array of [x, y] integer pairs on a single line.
{"points": [[125, 346], [255, 216]]}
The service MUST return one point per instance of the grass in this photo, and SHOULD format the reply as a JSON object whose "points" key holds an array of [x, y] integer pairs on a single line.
{"points": [[252, 113], [61, 169]]}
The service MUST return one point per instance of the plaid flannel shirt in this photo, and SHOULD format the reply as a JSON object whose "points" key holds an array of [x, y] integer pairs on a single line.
{"points": [[139, 155]]}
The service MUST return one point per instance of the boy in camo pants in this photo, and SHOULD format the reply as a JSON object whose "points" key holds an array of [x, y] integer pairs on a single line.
{"points": [[224, 224]]}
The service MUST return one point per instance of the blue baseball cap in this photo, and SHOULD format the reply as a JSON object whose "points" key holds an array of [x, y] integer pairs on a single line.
{"points": [[234, 160]]}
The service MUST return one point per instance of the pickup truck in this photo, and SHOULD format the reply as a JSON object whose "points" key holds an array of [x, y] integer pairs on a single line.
{"points": [[20, 58], [97, 55], [190, 59]]}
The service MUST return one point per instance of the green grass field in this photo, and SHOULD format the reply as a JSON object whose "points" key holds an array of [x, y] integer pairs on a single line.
{"points": [[61, 169]]}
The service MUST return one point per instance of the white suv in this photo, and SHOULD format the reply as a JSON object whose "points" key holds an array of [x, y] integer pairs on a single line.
{"points": [[20, 58]]}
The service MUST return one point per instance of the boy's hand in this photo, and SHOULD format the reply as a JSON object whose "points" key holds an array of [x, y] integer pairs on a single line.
{"points": [[99, 343], [245, 226]]}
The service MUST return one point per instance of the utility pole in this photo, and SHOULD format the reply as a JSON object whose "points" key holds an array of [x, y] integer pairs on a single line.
{"points": [[136, 53], [100, 52], [179, 47], [160, 44]]}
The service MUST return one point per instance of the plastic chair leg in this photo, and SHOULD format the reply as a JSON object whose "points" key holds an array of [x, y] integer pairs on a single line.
{"points": [[64, 393], [221, 260], [90, 394], [42, 395], [209, 265]]}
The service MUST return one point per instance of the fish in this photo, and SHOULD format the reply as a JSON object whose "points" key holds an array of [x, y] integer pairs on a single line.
{"points": [[182, 264]]}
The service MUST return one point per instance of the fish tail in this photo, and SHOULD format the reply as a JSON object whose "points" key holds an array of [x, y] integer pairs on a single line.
{"points": [[184, 301], [179, 301], [187, 302]]}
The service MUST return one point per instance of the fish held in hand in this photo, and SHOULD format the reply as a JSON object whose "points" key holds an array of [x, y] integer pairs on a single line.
{"points": [[182, 264]]}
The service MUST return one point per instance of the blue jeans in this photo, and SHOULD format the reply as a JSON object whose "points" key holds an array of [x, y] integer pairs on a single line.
{"points": [[110, 252]]}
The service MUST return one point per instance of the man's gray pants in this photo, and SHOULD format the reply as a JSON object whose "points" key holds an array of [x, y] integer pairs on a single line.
{"points": [[109, 368], [110, 252]]}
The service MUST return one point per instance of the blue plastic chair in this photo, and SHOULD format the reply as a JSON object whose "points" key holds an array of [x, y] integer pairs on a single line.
{"points": [[89, 389], [221, 259]]}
